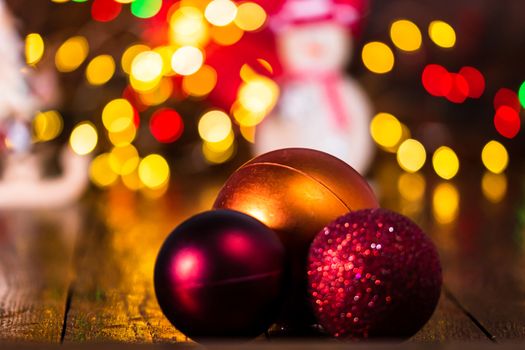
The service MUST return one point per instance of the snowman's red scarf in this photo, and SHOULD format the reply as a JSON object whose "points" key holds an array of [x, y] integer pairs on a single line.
{"points": [[332, 83]]}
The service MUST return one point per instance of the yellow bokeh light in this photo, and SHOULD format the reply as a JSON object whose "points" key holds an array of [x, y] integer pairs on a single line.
{"points": [[223, 145], [155, 193], [445, 162], [378, 57], [201, 82], [411, 155], [188, 27], [258, 95], [84, 138], [248, 133], [147, 66], [405, 135], [100, 171], [144, 86], [100, 70], [265, 64], [71, 54], [495, 157], [494, 186], [124, 137], [246, 118], [250, 16], [445, 203], [411, 186], [47, 126], [405, 35], [247, 73], [187, 60], [130, 53], [132, 181], [227, 35], [386, 130], [217, 157], [154, 171], [442, 34], [166, 52], [198, 4], [124, 160], [34, 48], [159, 94], [220, 12], [214, 126], [118, 115]]}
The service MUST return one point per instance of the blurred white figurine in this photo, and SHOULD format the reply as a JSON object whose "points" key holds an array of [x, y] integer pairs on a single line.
{"points": [[22, 184], [320, 107]]}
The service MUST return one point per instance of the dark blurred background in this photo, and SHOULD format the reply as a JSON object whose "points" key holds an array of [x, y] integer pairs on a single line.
{"points": [[490, 37]]}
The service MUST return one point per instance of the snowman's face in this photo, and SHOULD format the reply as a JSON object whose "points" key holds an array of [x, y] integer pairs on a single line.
{"points": [[318, 47]]}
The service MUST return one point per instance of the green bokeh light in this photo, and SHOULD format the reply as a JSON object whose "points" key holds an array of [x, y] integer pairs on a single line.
{"points": [[145, 8], [522, 94]]}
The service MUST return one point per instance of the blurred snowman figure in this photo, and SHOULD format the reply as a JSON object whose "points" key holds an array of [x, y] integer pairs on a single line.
{"points": [[22, 184], [320, 107]]}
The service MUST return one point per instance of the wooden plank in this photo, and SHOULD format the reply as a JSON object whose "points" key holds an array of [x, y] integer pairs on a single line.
{"points": [[485, 260], [36, 253], [449, 323], [276, 345], [113, 297]]}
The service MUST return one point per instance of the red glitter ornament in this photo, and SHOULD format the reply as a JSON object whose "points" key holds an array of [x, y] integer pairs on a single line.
{"points": [[373, 273]]}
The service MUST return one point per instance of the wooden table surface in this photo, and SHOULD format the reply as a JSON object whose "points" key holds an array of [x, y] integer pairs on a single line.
{"points": [[84, 274]]}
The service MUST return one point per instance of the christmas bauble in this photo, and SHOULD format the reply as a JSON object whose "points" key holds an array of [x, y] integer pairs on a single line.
{"points": [[373, 273], [219, 275], [296, 192]]}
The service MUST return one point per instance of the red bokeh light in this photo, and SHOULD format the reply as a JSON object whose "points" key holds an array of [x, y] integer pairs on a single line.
{"points": [[459, 90], [2, 141], [105, 10], [507, 122], [507, 97], [475, 80], [436, 80], [166, 125]]}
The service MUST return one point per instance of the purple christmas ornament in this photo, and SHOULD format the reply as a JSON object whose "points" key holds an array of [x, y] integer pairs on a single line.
{"points": [[220, 275]]}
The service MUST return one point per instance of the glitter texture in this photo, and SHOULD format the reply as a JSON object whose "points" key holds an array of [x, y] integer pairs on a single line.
{"points": [[373, 274]]}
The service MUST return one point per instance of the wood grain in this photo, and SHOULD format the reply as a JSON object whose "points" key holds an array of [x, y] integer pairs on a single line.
{"points": [[484, 261], [36, 250], [110, 280], [113, 297], [448, 324]]}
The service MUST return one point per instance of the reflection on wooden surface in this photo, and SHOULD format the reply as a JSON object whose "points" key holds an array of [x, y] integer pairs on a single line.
{"points": [[36, 254], [85, 273]]}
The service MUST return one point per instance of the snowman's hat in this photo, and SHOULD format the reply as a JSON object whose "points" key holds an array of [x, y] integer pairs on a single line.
{"points": [[296, 12]]}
